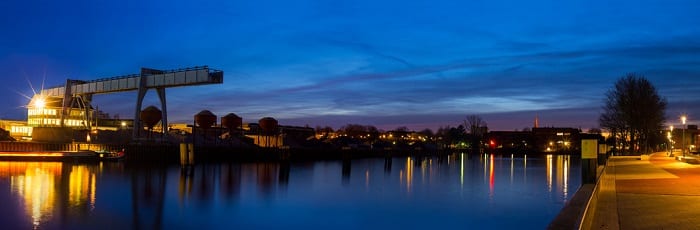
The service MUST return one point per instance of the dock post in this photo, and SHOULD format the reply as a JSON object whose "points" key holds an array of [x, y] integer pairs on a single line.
{"points": [[184, 153], [190, 153]]}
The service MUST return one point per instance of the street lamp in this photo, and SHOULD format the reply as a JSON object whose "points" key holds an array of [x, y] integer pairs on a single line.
{"points": [[670, 137], [683, 118]]}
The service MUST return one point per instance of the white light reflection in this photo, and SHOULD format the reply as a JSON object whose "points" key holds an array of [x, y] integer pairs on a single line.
{"points": [[461, 170], [511, 168], [367, 180], [423, 170], [486, 166], [525, 168]]}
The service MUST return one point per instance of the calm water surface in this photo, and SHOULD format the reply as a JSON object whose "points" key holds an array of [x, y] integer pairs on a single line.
{"points": [[457, 191]]}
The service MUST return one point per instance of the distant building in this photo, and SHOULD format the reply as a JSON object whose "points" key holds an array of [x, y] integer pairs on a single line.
{"points": [[19, 130], [285, 135], [512, 140], [538, 139], [45, 111], [556, 139]]}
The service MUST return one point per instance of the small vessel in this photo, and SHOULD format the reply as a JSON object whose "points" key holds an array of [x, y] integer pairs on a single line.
{"points": [[110, 155]]}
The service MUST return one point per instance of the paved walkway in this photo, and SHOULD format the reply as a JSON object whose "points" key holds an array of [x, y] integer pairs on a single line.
{"points": [[659, 193]]}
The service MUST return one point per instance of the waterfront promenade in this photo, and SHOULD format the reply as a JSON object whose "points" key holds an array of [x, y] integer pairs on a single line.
{"points": [[658, 193]]}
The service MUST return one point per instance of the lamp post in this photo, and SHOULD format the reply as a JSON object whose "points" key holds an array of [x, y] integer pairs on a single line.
{"points": [[683, 118], [670, 139]]}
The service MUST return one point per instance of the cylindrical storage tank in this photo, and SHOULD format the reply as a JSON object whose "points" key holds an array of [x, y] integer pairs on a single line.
{"points": [[151, 116], [268, 125], [231, 121], [205, 119]]}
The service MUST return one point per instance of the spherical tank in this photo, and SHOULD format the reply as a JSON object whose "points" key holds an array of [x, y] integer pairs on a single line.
{"points": [[268, 125], [151, 116], [231, 121], [205, 119]]}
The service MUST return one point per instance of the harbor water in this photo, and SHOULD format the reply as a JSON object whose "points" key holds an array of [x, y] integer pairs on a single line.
{"points": [[497, 191]]}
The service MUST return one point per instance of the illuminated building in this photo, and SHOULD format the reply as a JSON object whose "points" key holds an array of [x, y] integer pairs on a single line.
{"points": [[17, 129], [44, 111]]}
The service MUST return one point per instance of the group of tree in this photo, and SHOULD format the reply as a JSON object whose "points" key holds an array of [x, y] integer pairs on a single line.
{"points": [[469, 134], [634, 113]]}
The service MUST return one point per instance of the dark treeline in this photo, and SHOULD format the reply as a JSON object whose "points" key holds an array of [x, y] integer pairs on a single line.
{"points": [[468, 135]]}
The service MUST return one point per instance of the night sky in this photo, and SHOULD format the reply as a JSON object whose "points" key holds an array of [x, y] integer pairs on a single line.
{"points": [[385, 63]]}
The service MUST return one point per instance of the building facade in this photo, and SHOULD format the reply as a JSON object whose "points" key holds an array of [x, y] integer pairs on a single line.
{"points": [[43, 111]]}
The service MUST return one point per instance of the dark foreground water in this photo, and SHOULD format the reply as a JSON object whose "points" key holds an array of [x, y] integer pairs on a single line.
{"points": [[460, 191]]}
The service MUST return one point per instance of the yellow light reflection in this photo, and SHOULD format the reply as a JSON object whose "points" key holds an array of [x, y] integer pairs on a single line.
{"points": [[39, 186], [93, 188], [549, 172], [80, 186], [409, 174], [566, 177], [35, 182], [559, 172]]}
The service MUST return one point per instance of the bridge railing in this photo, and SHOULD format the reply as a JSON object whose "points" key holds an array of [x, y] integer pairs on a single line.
{"points": [[211, 71]]}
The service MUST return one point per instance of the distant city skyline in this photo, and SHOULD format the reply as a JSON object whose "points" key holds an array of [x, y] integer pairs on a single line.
{"points": [[419, 64]]}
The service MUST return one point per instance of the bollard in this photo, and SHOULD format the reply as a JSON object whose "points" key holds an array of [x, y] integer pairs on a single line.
{"points": [[190, 158]]}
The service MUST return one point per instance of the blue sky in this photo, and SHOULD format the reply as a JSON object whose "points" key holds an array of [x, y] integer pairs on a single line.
{"points": [[384, 63]]}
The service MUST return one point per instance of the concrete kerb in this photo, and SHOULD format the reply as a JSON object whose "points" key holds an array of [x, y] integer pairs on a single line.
{"points": [[583, 211], [570, 215], [691, 159], [603, 206]]}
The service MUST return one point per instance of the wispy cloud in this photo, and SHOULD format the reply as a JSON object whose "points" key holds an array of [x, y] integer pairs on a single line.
{"points": [[375, 62]]}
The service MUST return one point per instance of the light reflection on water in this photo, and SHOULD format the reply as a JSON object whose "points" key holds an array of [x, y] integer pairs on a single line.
{"points": [[485, 190]]}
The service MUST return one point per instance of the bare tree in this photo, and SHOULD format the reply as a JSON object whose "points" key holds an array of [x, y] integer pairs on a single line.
{"points": [[450, 136], [475, 126], [402, 129], [475, 130], [427, 132], [353, 130], [595, 131], [324, 131], [633, 112]]}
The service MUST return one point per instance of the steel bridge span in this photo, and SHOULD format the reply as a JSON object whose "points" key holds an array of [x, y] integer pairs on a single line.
{"points": [[147, 79]]}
